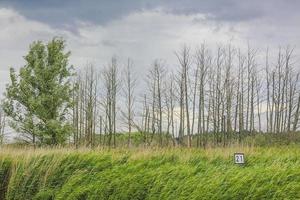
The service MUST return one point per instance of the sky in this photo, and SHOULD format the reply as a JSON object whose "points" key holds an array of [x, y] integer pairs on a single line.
{"points": [[143, 30]]}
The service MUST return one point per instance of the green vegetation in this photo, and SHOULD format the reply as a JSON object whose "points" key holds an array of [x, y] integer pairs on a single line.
{"points": [[148, 139], [217, 107], [269, 173], [39, 96]]}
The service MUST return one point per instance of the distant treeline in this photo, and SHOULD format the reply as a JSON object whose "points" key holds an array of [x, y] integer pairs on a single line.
{"points": [[211, 96]]}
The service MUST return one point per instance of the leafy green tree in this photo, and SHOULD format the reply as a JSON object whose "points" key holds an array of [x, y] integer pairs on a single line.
{"points": [[39, 97]]}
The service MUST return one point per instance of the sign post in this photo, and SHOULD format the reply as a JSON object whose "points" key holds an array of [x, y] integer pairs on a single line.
{"points": [[239, 158]]}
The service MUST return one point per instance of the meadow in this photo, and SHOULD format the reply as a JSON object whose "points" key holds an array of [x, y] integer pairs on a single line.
{"points": [[149, 173]]}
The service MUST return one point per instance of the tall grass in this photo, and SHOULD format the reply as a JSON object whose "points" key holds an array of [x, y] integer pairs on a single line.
{"points": [[269, 173]]}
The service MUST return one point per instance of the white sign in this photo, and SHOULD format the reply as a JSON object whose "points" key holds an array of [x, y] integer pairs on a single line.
{"points": [[239, 158]]}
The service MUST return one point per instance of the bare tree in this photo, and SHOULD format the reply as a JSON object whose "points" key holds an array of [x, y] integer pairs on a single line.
{"points": [[85, 107], [129, 93], [110, 77], [203, 62], [184, 59], [219, 93]]}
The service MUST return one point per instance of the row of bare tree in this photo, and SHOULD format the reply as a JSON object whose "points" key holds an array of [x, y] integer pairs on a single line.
{"points": [[216, 96]]}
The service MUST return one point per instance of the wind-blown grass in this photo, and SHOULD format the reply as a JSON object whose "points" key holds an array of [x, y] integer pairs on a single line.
{"points": [[269, 173]]}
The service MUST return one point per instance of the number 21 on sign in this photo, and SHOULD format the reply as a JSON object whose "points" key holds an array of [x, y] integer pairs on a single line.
{"points": [[239, 158]]}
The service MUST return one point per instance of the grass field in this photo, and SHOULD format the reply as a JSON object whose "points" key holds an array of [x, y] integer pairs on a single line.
{"points": [[269, 173]]}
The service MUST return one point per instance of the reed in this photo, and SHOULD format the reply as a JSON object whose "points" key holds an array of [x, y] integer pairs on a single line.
{"points": [[149, 173]]}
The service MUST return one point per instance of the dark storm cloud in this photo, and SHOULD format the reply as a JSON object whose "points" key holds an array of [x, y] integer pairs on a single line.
{"points": [[60, 13]]}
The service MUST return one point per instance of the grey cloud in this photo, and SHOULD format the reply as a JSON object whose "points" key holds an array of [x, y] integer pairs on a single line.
{"points": [[109, 43], [224, 10], [64, 14]]}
